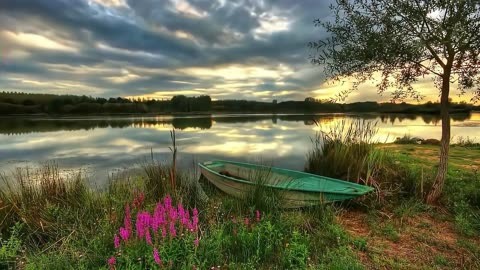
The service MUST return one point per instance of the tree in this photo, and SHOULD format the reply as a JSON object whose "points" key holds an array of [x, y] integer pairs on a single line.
{"points": [[402, 41], [180, 103]]}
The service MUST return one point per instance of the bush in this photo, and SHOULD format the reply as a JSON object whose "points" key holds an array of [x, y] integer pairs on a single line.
{"points": [[295, 255], [10, 248]]}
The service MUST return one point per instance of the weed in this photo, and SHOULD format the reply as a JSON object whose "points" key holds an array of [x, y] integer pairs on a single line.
{"points": [[467, 142], [360, 244], [467, 219], [440, 260], [295, 255], [261, 195], [390, 232], [10, 248], [409, 208]]}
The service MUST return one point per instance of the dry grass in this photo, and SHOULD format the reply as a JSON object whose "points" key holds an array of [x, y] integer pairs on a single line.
{"points": [[424, 242]]}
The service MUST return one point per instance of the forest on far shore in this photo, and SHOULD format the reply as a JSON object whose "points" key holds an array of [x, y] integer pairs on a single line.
{"points": [[14, 103]]}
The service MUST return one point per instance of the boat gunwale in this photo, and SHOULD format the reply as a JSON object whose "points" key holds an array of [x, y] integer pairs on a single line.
{"points": [[366, 190]]}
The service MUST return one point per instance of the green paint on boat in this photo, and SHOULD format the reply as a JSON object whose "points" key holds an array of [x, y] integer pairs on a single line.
{"points": [[299, 188]]}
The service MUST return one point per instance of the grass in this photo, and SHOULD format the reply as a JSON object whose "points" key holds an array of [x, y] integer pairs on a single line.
{"points": [[63, 224], [53, 220], [402, 173]]}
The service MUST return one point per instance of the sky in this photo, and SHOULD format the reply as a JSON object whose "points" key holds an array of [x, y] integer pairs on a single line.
{"points": [[246, 49]]}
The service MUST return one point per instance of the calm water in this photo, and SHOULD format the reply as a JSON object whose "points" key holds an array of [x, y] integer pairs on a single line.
{"points": [[102, 145]]}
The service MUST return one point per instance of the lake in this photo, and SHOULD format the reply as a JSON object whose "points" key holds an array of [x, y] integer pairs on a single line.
{"points": [[102, 145]]}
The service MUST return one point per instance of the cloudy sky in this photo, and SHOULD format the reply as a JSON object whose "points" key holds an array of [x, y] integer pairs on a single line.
{"points": [[244, 49]]}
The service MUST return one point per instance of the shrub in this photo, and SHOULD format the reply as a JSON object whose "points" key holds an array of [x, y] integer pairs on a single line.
{"points": [[295, 255], [407, 139], [9, 248]]}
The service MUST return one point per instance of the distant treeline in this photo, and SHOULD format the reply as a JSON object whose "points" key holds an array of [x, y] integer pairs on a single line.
{"points": [[25, 103]]}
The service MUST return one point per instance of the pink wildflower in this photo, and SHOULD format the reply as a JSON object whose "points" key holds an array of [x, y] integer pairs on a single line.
{"points": [[142, 224], [148, 237], [164, 231], [173, 231], [196, 242], [124, 234], [156, 257], [247, 221], [180, 210], [258, 215], [158, 217], [167, 201], [116, 241], [111, 262], [173, 213], [195, 219], [128, 219], [138, 201]]}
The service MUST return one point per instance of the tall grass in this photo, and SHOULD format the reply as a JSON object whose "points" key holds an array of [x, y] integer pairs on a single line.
{"points": [[32, 197], [164, 179], [348, 151], [261, 195], [467, 142], [345, 150], [158, 184]]}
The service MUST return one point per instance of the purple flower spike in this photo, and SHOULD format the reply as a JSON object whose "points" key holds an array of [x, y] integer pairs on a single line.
{"points": [[143, 223], [111, 262], [168, 202], [148, 237], [173, 231], [116, 241], [128, 218], [156, 257], [164, 231], [195, 219], [124, 234]]}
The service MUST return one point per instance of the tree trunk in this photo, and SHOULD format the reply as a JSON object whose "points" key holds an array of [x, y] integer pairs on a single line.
{"points": [[437, 186]]}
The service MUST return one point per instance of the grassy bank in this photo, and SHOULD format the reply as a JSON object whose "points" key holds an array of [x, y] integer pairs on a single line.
{"points": [[59, 223], [53, 220]]}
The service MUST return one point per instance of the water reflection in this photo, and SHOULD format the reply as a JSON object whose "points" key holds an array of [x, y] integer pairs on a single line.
{"points": [[16, 126], [105, 143]]}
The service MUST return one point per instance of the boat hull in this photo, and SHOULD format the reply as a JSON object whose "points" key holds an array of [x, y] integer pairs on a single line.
{"points": [[289, 198]]}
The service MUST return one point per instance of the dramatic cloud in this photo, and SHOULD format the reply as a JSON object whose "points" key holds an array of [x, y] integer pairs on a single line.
{"points": [[245, 49]]}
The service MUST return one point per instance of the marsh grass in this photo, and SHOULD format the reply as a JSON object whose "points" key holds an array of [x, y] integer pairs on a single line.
{"points": [[344, 150], [158, 184], [261, 196], [33, 196], [466, 142]]}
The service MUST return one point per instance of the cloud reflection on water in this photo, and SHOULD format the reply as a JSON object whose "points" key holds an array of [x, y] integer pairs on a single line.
{"points": [[112, 142]]}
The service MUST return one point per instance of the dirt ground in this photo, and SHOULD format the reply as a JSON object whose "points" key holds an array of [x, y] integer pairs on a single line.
{"points": [[418, 242]]}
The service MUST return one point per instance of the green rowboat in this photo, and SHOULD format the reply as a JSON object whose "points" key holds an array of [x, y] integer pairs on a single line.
{"points": [[297, 189]]}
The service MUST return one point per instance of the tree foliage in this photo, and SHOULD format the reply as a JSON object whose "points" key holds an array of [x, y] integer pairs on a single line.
{"points": [[402, 41]]}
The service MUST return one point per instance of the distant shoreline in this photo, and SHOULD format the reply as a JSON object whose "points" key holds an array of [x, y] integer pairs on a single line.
{"points": [[21, 104], [252, 113]]}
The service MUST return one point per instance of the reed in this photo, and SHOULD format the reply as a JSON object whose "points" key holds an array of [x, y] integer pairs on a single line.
{"points": [[345, 150], [261, 196], [31, 196]]}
